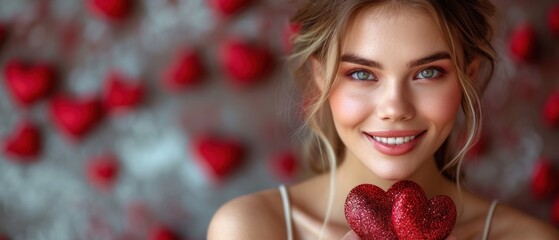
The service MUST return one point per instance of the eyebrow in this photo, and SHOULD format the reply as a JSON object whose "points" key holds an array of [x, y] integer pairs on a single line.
{"points": [[352, 58]]}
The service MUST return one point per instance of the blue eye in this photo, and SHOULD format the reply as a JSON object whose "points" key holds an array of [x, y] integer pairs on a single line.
{"points": [[428, 73], [362, 76]]}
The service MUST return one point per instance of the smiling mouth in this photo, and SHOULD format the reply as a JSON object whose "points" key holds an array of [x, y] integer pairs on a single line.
{"points": [[395, 140]]}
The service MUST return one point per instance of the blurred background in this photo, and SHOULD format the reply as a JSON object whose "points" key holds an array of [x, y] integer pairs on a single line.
{"points": [[137, 119]]}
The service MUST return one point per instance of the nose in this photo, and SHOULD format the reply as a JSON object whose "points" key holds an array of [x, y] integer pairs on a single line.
{"points": [[395, 103]]}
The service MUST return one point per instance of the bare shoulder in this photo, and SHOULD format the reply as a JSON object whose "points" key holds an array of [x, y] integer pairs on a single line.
{"points": [[254, 216], [510, 223]]}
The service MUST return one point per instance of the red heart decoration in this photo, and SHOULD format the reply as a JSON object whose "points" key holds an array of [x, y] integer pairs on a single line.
{"points": [[25, 143], [555, 212], [185, 71], [550, 112], [220, 156], [28, 83], [102, 172], [553, 19], [75, 117], [367, 210], [285, 164], [544, 179], [402, 212], [244, 64], [522, 44], [122, 94], [112, 10], [415, 217], [162, 232], [229, 7]]}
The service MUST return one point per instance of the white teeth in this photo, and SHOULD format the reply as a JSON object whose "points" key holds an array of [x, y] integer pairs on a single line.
{"points": [[394, 140]]}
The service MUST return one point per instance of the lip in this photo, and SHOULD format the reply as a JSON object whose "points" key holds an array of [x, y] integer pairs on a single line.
{"points": [[395, 150]]}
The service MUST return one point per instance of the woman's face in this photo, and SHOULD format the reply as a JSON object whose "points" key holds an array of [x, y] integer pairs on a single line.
{"points": [[397, 93]]}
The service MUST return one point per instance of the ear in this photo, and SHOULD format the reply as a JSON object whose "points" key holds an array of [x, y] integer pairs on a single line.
{"points": [[473, 68], [317, 73]]}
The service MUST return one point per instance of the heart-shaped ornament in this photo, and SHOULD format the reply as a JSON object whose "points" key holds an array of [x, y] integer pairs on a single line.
{"points": [[220, 156], [184, 72], [245, 64], [112, 10], [402, 212], [102, 172], [416, 217], [522, 43], [24, 144], [285, 165], [75, 117], [122, 94], [28, 83], [228, 7]]}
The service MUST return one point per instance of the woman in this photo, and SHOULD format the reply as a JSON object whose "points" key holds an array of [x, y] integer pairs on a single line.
{"points": [[386, 82]]}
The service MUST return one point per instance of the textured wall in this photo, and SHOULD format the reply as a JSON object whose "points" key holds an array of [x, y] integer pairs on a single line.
{"points": [[165, 89]]}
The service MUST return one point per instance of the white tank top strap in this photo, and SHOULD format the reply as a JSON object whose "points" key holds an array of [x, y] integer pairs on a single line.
{"points": [[488, 219], [286, 210]]}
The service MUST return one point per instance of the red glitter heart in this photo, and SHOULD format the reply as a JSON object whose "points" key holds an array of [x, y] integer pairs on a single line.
{"points": [[185, 71], [220, 156], [544, 179], [228, 7], [375, 214], [122, 94], [522, 43], [553, 19], [28, 83], [550, 111], [415, 217], [102, 172], [75, 117], [112, 10], [245, 65], [25, 144]]}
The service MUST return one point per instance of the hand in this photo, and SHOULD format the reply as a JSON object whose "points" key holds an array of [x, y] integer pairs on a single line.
{"points": [[351, 235]]}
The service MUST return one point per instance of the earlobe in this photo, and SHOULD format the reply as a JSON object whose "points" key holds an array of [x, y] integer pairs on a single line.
{"points": [[317, 73]]}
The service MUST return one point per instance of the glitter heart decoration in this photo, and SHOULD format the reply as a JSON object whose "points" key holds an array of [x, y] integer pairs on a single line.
{"points": [[402, 212], [184, 72], [522, 43], [102, 172], [24, 144], [75, 117], [245, 64], [122, 94], [28, 83], [220, 156]]}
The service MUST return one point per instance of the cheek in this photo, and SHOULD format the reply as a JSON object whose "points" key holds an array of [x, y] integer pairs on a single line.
{"points": [[349, 107], [444, 105]]}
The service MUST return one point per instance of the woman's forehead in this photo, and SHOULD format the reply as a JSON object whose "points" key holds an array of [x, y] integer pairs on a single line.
{"points": [[380, 32]]}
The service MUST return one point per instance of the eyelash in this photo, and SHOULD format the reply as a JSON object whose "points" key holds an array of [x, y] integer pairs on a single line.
{"points": [[439, 73]]}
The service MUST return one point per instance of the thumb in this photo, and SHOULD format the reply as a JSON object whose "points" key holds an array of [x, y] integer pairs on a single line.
{"points": [[351, 235]]}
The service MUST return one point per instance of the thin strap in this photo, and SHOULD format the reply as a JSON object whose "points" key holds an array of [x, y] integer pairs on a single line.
{"points": [[286, 210], [488, 220]]}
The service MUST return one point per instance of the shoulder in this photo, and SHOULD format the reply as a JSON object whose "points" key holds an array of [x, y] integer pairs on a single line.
{"points": [[254, 216], [510, 223]]}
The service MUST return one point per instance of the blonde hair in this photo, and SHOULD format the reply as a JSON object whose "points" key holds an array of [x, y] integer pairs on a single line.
{"points": [[467, 31]]}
